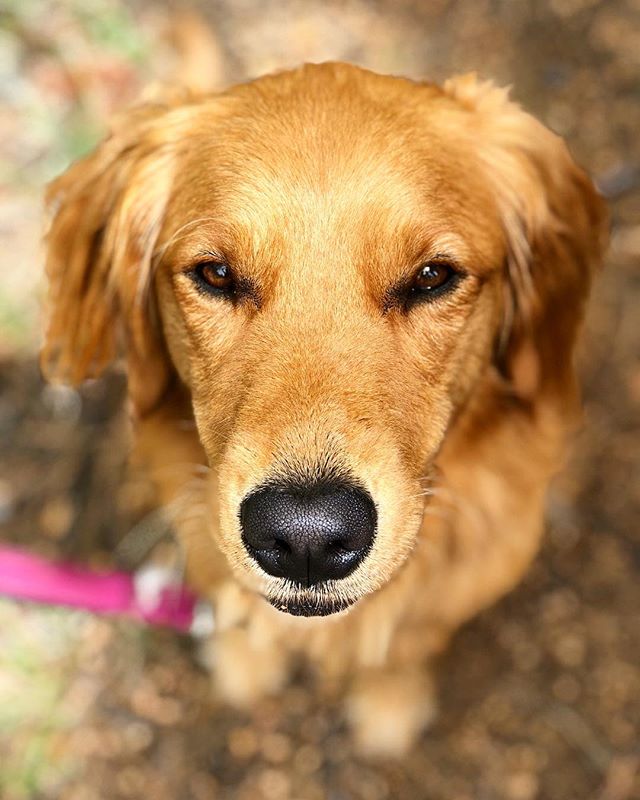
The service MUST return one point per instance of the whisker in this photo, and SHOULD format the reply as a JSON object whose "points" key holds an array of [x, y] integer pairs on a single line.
{"points": [[425, 493]]}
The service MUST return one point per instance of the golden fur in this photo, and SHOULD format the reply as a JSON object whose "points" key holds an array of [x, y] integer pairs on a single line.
{"points": [[324, 187]]}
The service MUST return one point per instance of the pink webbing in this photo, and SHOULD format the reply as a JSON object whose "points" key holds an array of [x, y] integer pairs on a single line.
{"points": [[29, 577]]}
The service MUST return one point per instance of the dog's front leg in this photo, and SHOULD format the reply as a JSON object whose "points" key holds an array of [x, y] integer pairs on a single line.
{"points": [[247, 657], [245, 670], [389, 707]]}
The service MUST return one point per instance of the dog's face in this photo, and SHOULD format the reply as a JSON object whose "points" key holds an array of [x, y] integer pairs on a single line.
{"points": [[333, 259]]}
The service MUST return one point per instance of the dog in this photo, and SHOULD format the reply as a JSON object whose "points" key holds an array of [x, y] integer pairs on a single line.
{"points": [[348, 305]]}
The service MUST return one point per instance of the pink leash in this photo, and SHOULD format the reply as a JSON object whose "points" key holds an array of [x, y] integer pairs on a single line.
{"points": [[149, 596]]}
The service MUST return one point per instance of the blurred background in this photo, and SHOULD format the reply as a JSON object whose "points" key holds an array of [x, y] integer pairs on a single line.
{"points": [[540, 696]]}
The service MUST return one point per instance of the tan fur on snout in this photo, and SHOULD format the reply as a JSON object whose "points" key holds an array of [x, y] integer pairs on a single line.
{"points": [[325, 190]]}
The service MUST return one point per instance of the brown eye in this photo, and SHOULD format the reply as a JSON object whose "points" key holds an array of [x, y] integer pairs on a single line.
{"points": [[214, 277], [434, 277]]}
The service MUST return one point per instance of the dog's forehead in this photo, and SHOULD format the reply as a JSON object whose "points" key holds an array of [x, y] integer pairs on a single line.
{"points": [[335, 167]]}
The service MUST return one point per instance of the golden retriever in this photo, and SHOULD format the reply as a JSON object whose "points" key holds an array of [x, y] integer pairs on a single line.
{"points": [[352, 301]]}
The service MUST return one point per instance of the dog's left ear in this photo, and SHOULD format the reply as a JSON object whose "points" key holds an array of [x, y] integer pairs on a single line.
{"points": [[555, 227]]}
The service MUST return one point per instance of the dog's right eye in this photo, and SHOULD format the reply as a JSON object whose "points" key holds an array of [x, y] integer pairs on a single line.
{"points": [[214, 277]]}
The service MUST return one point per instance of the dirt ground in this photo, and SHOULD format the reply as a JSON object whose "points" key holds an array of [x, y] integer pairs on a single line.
{"points": [[540, 696]]}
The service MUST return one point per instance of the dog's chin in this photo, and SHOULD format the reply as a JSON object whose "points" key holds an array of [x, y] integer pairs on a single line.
{"points": [[310, 606]]}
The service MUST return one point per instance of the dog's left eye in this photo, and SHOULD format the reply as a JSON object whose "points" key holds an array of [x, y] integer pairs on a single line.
{"points": [[433, 278], [214, 277]]}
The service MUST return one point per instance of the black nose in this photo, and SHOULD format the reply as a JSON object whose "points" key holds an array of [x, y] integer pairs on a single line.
{"points": [[308, 534]]}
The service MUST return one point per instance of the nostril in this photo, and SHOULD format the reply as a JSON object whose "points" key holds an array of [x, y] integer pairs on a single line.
{"points": [[342, 547], [281, 546]]}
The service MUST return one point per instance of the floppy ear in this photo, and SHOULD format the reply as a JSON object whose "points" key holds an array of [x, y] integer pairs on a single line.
{"points": [[555, 227], [106, 213]]}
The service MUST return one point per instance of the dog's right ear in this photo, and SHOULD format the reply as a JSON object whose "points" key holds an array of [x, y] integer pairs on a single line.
{"points": [[105, 214]]}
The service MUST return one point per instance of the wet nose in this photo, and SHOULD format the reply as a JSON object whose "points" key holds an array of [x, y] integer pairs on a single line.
{"points": [[308, 534]]}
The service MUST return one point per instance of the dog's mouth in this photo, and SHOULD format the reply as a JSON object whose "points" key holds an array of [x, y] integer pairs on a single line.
{"points": [[309, 604]]}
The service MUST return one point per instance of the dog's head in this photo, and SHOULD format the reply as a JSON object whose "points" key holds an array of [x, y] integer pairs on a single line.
{"points": [[332, 262]]}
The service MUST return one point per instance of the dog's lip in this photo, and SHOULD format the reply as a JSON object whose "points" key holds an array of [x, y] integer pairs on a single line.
{"points": [[310, 607]]}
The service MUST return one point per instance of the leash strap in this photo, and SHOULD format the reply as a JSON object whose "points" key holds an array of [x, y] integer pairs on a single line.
{"points": [[26, 576]]}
